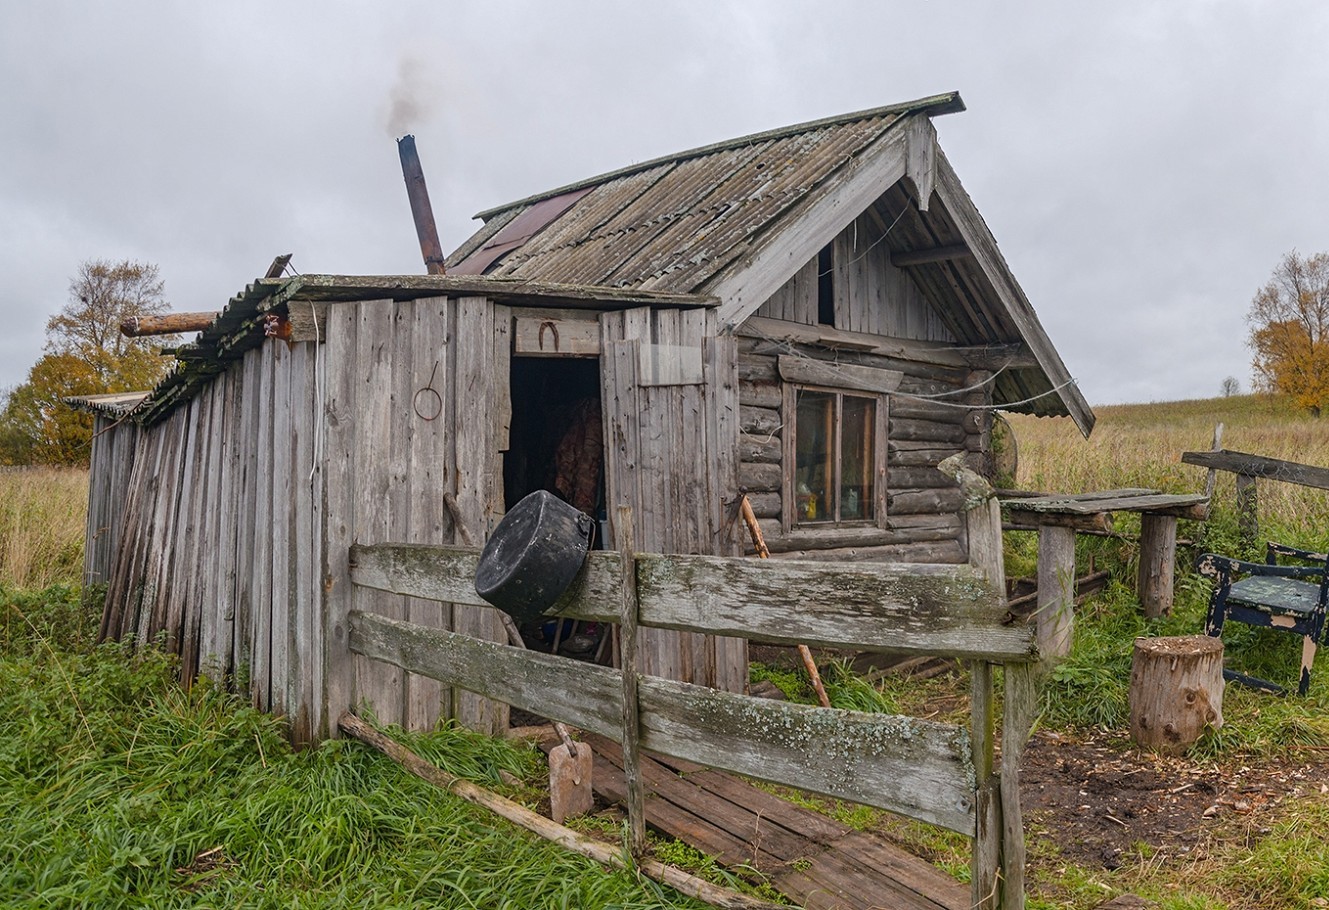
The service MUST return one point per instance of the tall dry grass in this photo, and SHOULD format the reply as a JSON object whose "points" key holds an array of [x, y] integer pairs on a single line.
{"points": [[1141, 445], [42, 517]]}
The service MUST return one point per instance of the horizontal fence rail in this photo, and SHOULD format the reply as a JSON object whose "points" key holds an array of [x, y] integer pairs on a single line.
{"points": [[913, 767], [948, 610]]}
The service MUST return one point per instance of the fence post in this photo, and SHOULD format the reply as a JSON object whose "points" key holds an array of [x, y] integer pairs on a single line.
{"points": [[984, 877], [1020, 696], [627, 634]]}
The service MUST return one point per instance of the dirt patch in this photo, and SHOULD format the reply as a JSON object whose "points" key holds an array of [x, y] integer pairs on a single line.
{"points": [[1100, 800]]}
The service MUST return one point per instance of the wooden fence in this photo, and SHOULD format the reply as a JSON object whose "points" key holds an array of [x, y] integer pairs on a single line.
{"points": [[936, 772]]}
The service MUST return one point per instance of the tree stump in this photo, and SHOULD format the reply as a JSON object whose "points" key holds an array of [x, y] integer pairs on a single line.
{"points": [[1176, 691]]}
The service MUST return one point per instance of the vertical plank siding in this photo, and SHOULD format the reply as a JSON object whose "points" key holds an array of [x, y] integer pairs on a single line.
{"points": [[670, 458]]}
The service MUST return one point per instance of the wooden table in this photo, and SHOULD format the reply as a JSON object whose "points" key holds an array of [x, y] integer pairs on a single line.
{"points": [[1058, 516]]}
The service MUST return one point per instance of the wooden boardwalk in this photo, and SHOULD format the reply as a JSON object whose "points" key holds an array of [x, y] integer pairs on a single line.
{"points": [[814, 860]]}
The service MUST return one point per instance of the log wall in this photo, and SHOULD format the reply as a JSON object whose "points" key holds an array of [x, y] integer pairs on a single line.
{"points": [[922, 523]]}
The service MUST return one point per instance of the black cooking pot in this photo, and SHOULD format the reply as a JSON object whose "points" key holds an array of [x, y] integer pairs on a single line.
{"points": [[533, 555]]}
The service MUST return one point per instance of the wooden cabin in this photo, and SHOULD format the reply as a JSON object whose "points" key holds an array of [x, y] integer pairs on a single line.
{"points": [[814, 316]]}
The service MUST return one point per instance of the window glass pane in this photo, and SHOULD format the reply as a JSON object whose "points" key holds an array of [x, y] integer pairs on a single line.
{"points": [[856, 458], [814, 437]]}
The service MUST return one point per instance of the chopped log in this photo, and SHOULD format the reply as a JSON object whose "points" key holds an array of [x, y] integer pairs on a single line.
{"points": [[1176, 691], [169, 324], [607, 854]]}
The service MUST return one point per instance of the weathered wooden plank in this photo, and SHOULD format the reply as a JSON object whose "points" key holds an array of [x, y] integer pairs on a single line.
{"points": [[924, 501], [1128, 503], [260, 577], [985, 865], [197, 545], [1055, 619], [303, 555], [508, 290], [371, 417], [915, 767], [473, 468], [840, 376], [338, 500], [1260, 466], [910, 608], [283, 561], [243, 513], [428, 518], [760, 478], [938, 552], [926, 430]]}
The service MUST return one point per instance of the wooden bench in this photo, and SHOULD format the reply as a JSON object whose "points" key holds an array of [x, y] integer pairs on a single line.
{"points": [[1287, 598]]}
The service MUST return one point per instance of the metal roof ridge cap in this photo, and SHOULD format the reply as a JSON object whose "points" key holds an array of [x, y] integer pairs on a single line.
{"points": [[932, 105]]}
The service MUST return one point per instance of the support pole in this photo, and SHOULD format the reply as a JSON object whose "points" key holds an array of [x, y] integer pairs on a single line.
{"points": [[759, 541], [627, 633]]}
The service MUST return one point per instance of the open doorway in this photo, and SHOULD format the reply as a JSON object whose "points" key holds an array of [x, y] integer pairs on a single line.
{"points": [[556, 443]]}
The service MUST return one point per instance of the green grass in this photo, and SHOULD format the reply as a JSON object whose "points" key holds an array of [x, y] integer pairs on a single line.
{"points": [[120, 789]]}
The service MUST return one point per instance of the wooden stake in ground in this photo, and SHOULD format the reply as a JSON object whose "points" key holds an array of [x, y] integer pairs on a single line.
{"points": [[759, 541], [607, 854], [1176, 691], [570, 763]]}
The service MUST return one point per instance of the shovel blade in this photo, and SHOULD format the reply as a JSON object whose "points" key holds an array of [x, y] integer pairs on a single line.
{"points": [[569, 782]]}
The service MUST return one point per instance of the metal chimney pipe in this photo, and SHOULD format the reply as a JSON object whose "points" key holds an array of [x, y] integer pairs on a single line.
{"points": [[421, 211]]}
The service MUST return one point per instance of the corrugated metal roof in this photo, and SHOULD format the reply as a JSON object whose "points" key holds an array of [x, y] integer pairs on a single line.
{"points": [[672, 223]]}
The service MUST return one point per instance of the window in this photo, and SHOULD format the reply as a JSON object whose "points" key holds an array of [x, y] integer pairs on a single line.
{"points": [[835, 457]]}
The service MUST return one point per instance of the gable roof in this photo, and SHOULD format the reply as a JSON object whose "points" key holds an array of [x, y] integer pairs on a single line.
{"points": [[737, 219]]}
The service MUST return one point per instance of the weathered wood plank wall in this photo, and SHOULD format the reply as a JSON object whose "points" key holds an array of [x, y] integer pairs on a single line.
{"points": [[236, 512], [108, 477]]}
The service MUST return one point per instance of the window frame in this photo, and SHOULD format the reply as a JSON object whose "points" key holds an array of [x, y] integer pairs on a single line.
{"points": [[789, 445]]}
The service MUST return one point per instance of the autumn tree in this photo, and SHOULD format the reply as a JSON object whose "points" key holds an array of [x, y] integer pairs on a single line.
{"points": [[86, 354], [1289, 331]]}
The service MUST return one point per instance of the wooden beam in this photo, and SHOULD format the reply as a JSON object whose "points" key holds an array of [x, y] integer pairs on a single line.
{"points": [[837, 375], [935, 254], [1248, 465], [166, 324], [901, 607], [503, 290]]}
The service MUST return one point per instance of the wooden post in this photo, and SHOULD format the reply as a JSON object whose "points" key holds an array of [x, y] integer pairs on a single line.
{"points": [[1020, 707], [1056, 590], [984, 879], [1176, 691], [627, 634], [1158, 557], [1248, 508]]}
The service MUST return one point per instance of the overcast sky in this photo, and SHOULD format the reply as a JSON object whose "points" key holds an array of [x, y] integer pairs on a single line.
{"points": [[1142, 165]]}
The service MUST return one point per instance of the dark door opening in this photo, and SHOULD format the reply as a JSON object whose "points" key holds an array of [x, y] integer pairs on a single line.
{"points": [[556, 443]]}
